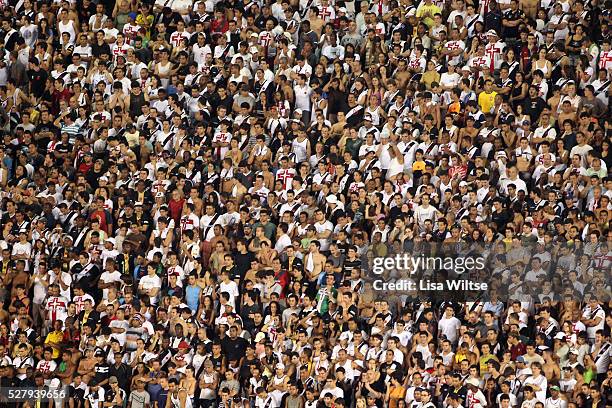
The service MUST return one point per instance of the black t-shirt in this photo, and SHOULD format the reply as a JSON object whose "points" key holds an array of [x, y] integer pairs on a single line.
{"points": [[123, 374], [512, 32], [234, 349], [98, 50], [349, 265], [38, 80], [243, 263], [533, 108], [63, 148]]}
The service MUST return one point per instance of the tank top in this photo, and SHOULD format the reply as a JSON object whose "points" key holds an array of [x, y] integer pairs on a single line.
{"points": [[207, 393], [444, 187], [374, 114], [68, 28], [395, 167], [544, 69], [299, 148], [318, 104], [280, 380], [575, 44], [164, 70], [176, 402], [136, 103]]}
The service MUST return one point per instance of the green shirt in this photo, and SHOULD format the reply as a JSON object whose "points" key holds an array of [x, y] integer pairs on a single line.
{"points": [[352, 146], [269, 229]]}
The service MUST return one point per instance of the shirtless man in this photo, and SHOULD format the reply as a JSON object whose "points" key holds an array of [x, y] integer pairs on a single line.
{"points": [[529, 7], [314, 261], [550, 368]]}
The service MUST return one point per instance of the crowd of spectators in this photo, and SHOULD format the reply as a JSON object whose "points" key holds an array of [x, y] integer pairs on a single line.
{"points": [[194, 194]]}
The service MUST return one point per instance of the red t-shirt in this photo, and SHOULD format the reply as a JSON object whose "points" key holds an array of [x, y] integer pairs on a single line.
{"points": [[175, 208]]}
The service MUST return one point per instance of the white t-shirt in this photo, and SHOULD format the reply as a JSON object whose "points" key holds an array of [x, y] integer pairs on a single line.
{"points": [[449, 328], [423, 214], [150, 282], [232, 288], [302, 97], [541, 382], [119, 324], [40, 291], [66, 278], [320, 227], [109, 277], [592, 314]]}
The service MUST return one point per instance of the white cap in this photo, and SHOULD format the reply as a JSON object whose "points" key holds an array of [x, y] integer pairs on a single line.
{"points": [[473, 381], [280, 366], [501, 153], [111, 240], [463, 184], [298, 111], [492, 32], [342, 10], [331, 199]]}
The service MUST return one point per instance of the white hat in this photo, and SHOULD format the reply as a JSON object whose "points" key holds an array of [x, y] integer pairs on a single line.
{"points": [[492, 32], [342, 10], [466, 68], [280, 366], [54, 384], [463, 184], [259, 337], [254, 35], [501, 153], [411, 12], [111, 240], [103, 178], [331, 199], [472, 381], [298, 111], [559, 336]]}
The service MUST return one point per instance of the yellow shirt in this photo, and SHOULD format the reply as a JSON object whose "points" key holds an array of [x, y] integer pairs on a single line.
{"points": [[145, 21], [55, 337], [424, 9], [459, 357], [418, 165], [430, 76], [486, 101], [484, 368]]}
